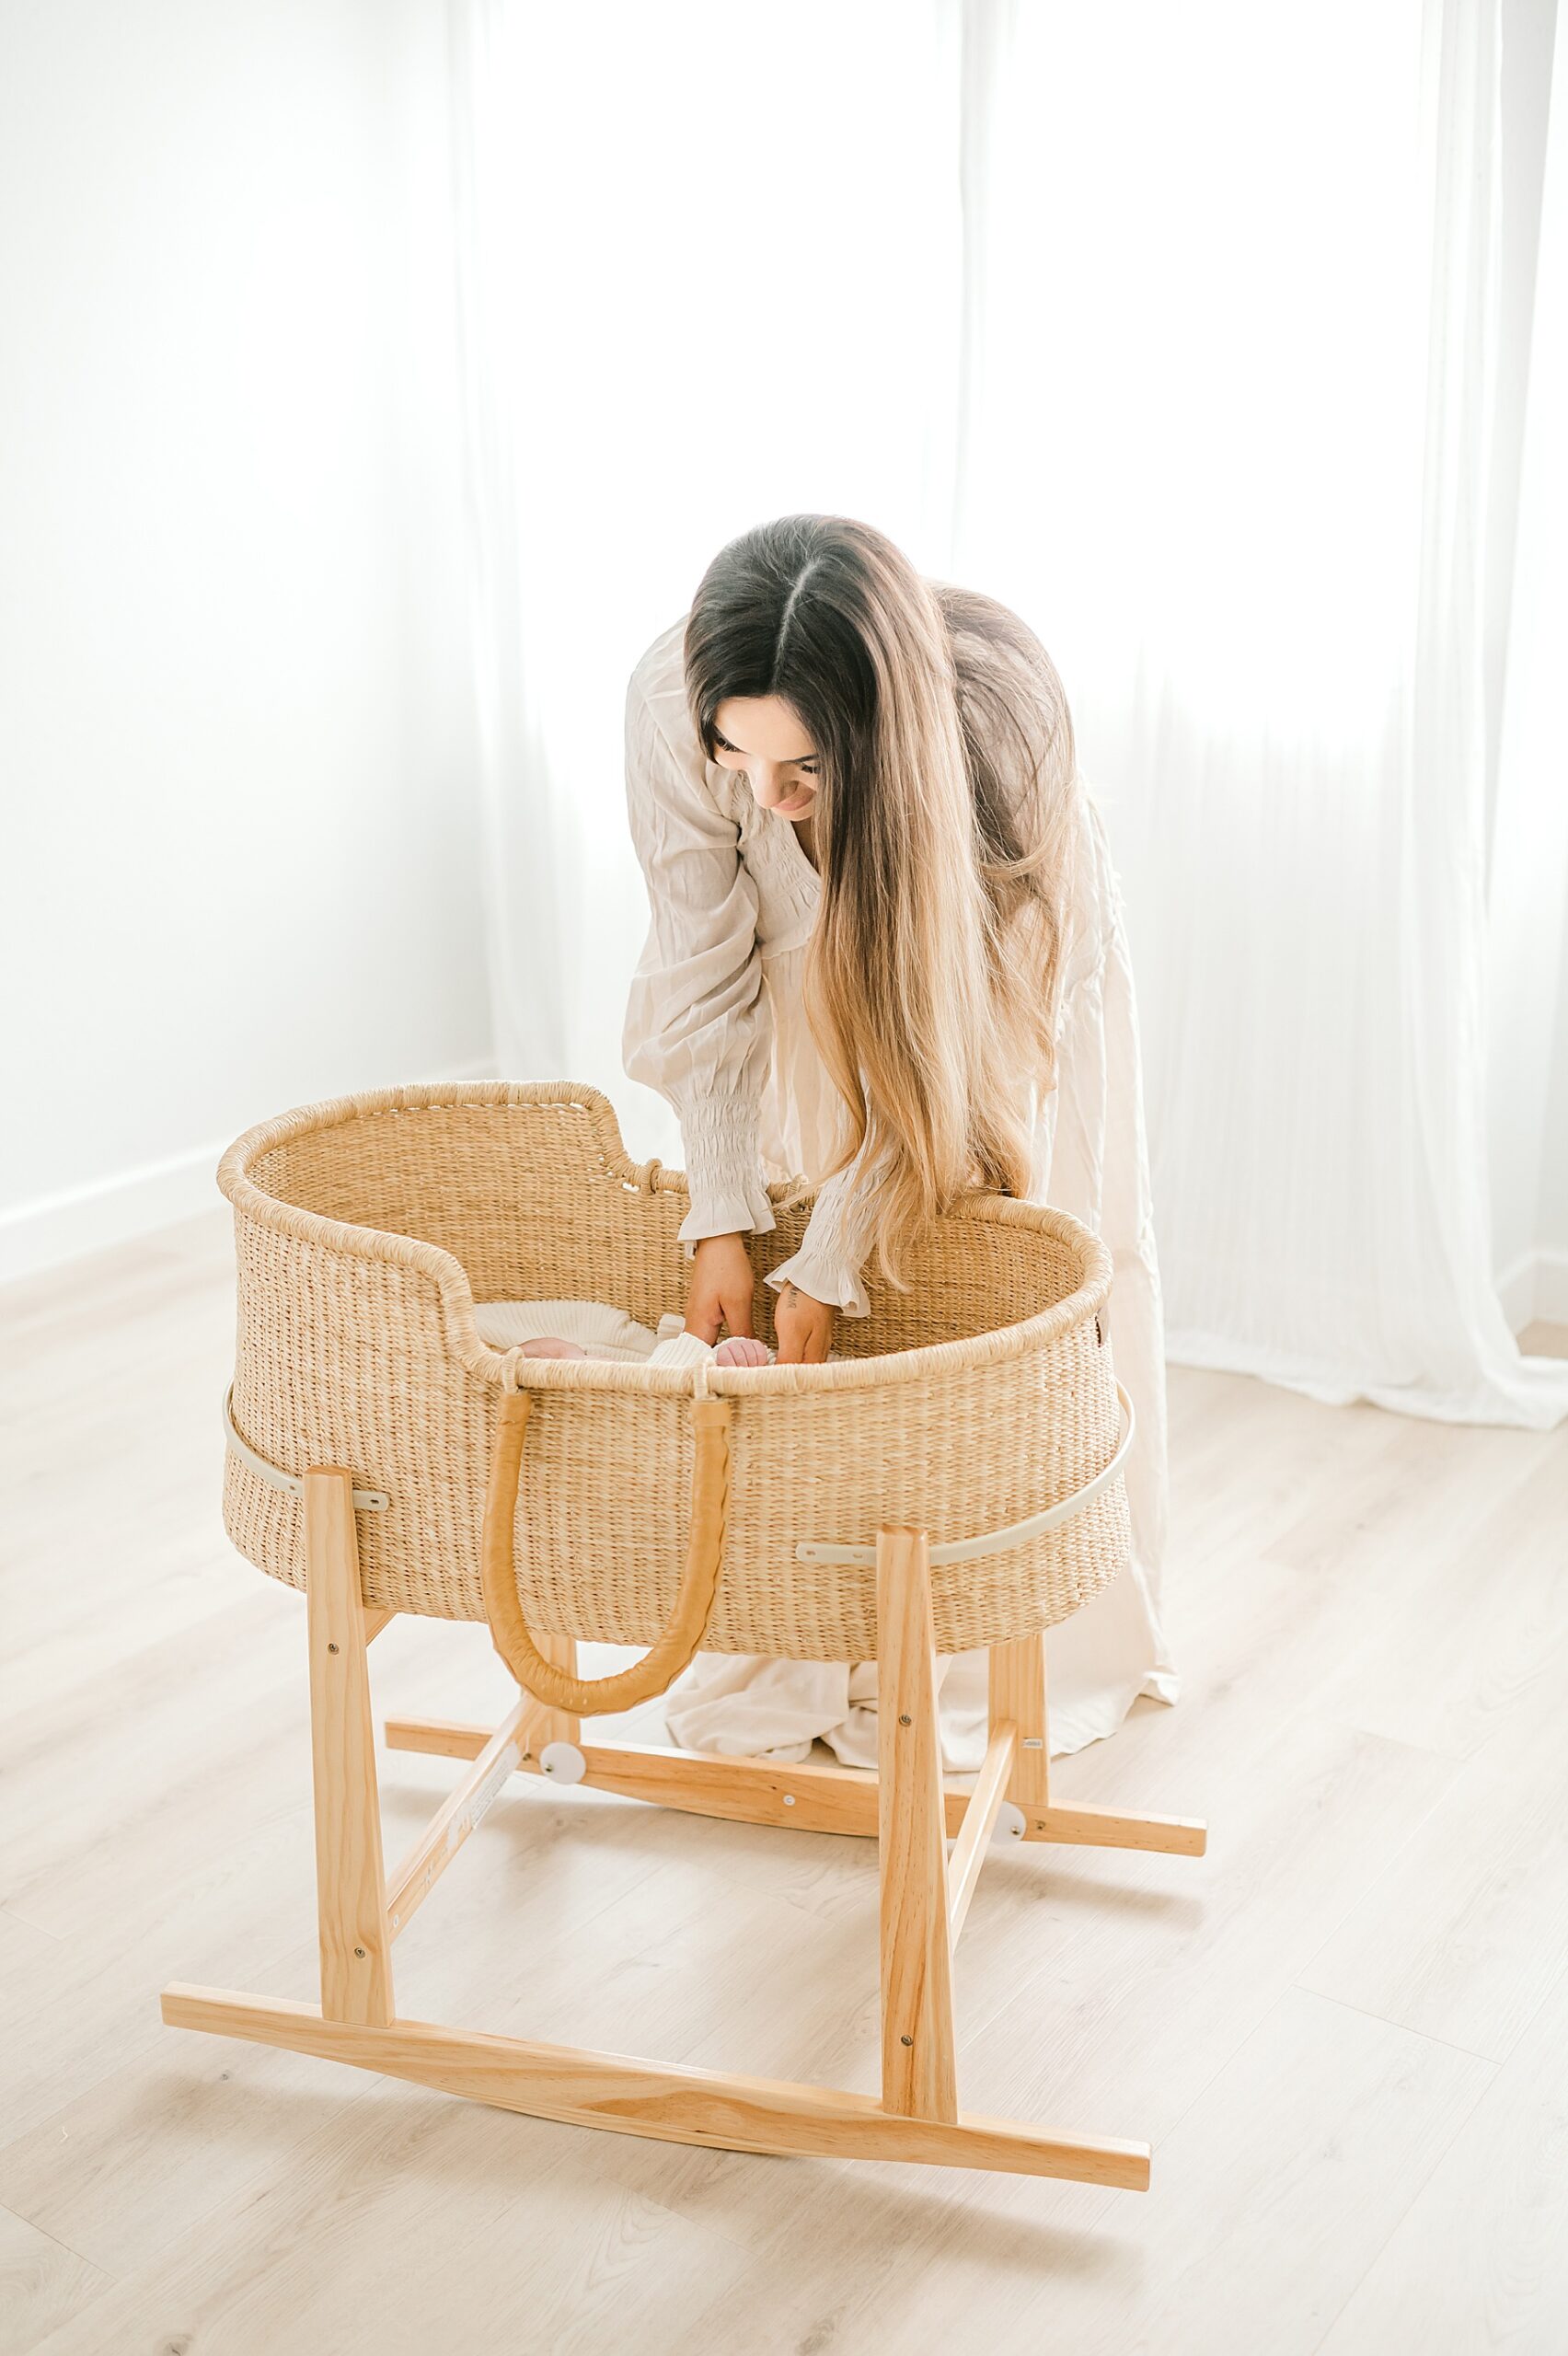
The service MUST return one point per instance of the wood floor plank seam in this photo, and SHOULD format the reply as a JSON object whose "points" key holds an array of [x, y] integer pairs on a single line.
{"points": [[42, 1929], [21, 2217], [1384, 2020], [1417, 2189]]}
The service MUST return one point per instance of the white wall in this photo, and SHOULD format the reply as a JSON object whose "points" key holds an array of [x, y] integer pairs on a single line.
{"points": [[236, 734]]}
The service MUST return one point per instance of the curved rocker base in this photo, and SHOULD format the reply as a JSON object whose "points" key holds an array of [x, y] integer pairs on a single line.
{"points": [[630, 2097], [924, 1894]]}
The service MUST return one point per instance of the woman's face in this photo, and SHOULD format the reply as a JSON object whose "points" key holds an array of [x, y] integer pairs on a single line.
{"points": [[763, 735]]}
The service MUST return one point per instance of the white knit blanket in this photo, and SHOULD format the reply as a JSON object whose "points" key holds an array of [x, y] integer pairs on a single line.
{"points": [[602, 1332]]}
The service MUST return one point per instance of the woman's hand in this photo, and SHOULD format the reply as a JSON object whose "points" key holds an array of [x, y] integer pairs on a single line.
{"points": [[722, 1286], [803, 1327]]}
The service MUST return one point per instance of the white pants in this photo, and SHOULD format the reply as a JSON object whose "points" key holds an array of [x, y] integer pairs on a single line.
{"points": [[742, 1707]]}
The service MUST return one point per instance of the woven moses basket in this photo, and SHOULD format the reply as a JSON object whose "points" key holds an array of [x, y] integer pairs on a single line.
{"points": [[368, 1227], [953, 1480]]}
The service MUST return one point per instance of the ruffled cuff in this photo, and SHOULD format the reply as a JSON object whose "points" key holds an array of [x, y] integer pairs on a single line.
{"points": [[816, 1274], [729, 1194]]}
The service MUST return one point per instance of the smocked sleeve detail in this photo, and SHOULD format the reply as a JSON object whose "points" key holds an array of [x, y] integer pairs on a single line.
{"points": [[834, 1244], [698, 1028]]}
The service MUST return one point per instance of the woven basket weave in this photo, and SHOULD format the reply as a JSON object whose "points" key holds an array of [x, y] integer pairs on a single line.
{"points": [[367, 1229]]}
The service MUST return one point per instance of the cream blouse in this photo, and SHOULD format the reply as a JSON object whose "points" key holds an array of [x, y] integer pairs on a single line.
{"points": [[716, 1024]]}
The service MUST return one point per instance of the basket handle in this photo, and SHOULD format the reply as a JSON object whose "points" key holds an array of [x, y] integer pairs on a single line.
{"points": [[662, 1663]]}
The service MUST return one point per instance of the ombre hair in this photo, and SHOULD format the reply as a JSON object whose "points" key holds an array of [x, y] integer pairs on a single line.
{"points": [[942, 828]]}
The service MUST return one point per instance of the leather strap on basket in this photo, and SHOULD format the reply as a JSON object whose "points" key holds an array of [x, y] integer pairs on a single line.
{"points": [[659, 1667]]}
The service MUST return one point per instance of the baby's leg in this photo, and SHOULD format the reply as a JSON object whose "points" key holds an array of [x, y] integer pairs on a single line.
{"points": [[550, 1345]]}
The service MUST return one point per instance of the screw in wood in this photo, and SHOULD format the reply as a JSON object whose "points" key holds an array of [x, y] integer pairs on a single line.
{"points": [[906, 1720], [332, 1648], [906, 2041], [359, 1952]]}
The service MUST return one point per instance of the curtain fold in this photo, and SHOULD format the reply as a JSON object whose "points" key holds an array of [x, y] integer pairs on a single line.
{"points": [[1527, 900], [1175, 329]]}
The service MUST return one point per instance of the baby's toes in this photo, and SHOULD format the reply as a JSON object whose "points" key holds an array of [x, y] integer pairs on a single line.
{"points": [[550, 1345]]}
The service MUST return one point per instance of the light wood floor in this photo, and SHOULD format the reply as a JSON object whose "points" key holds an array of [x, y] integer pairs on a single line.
{"points": [[1345, 2030]]}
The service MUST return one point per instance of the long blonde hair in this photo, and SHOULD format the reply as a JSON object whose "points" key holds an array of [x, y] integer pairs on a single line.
{"points": [[942, 828]]}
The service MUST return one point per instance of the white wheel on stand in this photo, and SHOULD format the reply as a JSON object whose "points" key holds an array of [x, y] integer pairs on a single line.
{"points": [[565, 1764]]}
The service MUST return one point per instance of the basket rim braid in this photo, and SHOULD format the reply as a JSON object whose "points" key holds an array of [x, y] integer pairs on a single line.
{"points": [[501, 1369]]}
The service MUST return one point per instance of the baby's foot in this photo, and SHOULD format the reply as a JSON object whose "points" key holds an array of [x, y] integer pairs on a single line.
{"points": [[740, 1350], [550, 1345]]}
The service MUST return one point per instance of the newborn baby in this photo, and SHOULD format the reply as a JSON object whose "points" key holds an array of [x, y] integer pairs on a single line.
{"points": [[591, 1329]]}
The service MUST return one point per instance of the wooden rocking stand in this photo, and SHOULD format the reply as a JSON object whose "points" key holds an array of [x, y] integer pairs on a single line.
{"points": [[978, 1403], [925, 1897]]}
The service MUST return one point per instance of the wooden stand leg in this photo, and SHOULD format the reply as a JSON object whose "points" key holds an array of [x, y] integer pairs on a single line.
{"points": [[1018, 1699], [543, 1725], [356, 1962], [1018, 1696], [918, 2075]]}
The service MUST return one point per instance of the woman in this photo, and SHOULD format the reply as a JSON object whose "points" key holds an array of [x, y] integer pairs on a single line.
{"points": [[886, 953]]}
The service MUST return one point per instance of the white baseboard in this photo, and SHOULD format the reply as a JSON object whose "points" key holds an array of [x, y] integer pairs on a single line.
{"points": [[39, 1235], [1534, 1289], [1515, 1290], [42, 1234], [1551, 1287]]}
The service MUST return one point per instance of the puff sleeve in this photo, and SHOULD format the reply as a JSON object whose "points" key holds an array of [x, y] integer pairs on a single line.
{"points": [[698, 1028]]}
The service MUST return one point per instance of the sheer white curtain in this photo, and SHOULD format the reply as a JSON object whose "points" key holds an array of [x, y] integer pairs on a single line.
{"points": [[1176, 328], [1232, 426], [709, 273], [1528, 892]]}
